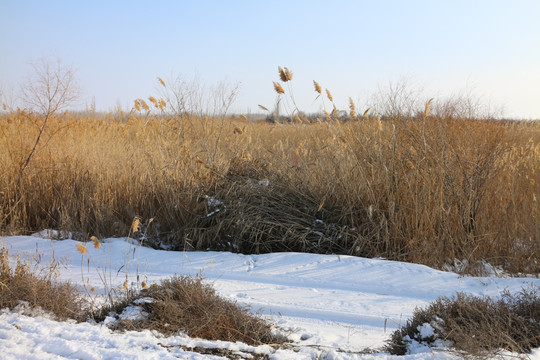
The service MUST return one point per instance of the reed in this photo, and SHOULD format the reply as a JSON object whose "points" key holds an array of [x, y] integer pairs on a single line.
{"points": [[429, 189]]}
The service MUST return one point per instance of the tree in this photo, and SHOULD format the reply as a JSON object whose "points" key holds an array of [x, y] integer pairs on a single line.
{"points": [[52, 87]]}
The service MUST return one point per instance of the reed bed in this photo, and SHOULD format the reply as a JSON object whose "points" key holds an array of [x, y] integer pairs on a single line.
{"points": [[425, 189]]}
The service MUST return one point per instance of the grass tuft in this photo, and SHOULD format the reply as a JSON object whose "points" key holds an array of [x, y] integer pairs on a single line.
{"points": [[188, 305], [473, 325], [22, 285]]}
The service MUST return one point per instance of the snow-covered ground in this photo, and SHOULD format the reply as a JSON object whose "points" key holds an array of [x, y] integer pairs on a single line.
{"points": [[330, 306]]}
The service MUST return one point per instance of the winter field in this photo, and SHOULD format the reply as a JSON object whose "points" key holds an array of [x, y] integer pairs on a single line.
{"points": [[349, 217], [329, 306]]}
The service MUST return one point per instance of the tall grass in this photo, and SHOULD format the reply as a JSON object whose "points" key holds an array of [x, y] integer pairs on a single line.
{"points": [[426, 189]]}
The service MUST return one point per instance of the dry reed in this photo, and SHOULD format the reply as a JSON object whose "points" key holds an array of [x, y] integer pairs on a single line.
{"points": [[428, 190]]}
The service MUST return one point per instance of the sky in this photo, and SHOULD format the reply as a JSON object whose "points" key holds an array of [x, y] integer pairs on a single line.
{"points": [[442, 48]]}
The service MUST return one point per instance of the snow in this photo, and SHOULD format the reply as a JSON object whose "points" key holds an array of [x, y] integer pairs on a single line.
{"points": [[330, 306]]}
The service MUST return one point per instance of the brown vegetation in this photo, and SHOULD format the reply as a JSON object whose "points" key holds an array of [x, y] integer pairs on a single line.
{"points": [[426, 190], [187, 304], [32, 288], [421, 188], [476, 326]]}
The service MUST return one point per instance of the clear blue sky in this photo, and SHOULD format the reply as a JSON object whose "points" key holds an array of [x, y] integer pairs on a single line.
{"points": [[351, 47]]}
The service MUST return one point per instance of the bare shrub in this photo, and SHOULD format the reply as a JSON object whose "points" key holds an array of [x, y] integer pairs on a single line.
{"points": [[476, 326], [187, 304], [24, 285]]}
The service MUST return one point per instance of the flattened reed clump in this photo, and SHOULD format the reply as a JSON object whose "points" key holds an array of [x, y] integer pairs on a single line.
{"points": [[32, 288], [189, 305], [259, 217], [477, 326]]}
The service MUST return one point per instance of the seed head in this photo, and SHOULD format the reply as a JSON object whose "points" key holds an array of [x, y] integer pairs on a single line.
{"points": [[162, 104], [329, 95], [135, 225], [278, 88], [366, 112], [352, 108], [96, 242], [327, 115], [154, 101], [317, 87], [82, 249], [426, 111], [285, 74], [144, 105]]}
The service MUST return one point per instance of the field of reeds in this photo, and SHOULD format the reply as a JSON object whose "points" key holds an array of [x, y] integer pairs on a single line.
{"points": [[433, 189]]}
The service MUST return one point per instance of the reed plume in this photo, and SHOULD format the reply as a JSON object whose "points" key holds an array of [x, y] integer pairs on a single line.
{"points": [[82, 249], [96, 242], [278, 88], [317, 87], [329, 95], [426, 111], [352, 108], [144, 105], [285, 74], [135, 225], [327, 115]]}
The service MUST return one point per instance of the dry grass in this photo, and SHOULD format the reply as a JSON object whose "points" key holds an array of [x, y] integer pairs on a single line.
{"points": [[25, 285], [179, 304], [422, 189], [188, 305], [475, 326]]}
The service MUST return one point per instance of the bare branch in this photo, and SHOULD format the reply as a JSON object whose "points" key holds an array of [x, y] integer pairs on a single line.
{"points": [[52, 87]]}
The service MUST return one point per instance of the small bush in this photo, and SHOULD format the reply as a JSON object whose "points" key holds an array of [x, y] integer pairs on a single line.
{"points": [[39, 289], [186, 304], [474, 325]]}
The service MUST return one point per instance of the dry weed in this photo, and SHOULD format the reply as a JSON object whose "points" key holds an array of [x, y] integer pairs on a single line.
{"points": [[186, 304], [22, 284], [476, 326]]}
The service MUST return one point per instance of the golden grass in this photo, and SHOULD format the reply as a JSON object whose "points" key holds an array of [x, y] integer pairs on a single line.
{"points": [[426, 190]]}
